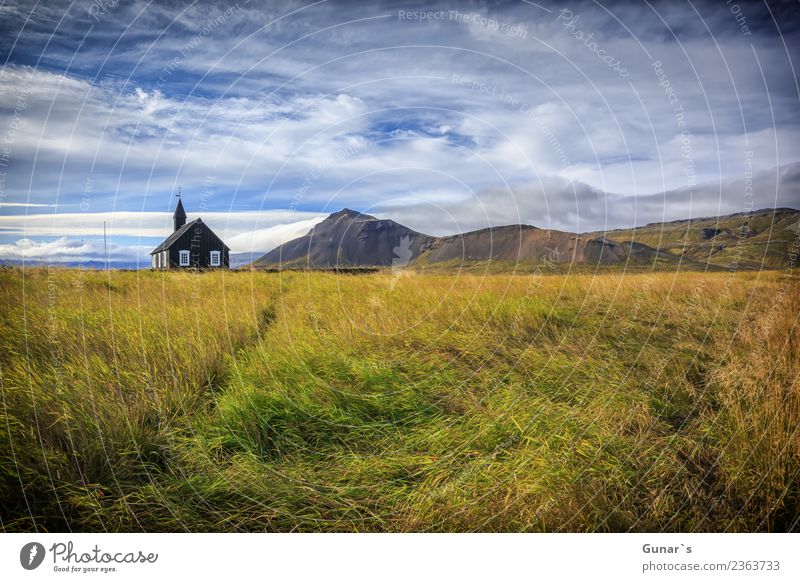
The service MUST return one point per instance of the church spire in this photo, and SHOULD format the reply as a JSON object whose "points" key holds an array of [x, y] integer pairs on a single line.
{"points": [[179, 218]]}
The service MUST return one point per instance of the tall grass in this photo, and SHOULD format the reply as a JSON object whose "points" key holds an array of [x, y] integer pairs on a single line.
{"points": [[399, 402]]}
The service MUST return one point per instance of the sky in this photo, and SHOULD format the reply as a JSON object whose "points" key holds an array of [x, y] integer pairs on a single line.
{"points": [[445, 116]]}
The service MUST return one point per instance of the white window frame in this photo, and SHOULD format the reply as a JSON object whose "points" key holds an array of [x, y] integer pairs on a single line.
{"points": [[183, 258], [215, 260], [164, 259], [153, 261]]}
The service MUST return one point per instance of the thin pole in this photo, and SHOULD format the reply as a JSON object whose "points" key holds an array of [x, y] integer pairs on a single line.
{"points": [[105, 244]]}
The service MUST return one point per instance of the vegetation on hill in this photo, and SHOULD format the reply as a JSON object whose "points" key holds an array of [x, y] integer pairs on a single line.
{"points": [[253, 401], [755, 240]]}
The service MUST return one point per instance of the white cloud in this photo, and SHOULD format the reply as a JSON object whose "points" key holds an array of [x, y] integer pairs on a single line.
{"points": [[266, 101], [25, 205], [242, 231], [126, 141], [265, 239], [69, 250]]}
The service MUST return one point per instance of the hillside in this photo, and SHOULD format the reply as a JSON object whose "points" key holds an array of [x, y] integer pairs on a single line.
{"points": [[522, 243], [751, 241], [351, 239]]}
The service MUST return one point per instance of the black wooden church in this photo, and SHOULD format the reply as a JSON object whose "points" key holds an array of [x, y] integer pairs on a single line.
{"points": [[192, 245]]}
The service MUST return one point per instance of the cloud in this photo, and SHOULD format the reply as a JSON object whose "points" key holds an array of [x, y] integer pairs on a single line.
{"points": [[25, 205], [266, 239], [320, 106], [568, 205], [65, 250], [72, 131], [578, 207], [242, 231]]}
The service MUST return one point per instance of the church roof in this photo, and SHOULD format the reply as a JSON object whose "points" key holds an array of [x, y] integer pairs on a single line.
{"points": [[174, 236], [170, 240]]}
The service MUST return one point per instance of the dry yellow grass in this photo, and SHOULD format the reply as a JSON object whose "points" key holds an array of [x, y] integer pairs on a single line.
{"points": [[399, 402]]}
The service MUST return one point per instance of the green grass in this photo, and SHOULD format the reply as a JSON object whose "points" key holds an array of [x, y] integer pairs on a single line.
{"points": [[249, 401]]}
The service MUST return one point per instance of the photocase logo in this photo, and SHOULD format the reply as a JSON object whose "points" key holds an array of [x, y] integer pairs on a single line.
{"points": [[403, 254], [31, 555]]}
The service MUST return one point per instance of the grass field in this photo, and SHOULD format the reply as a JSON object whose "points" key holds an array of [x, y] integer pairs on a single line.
{"points": [[244, 401]]}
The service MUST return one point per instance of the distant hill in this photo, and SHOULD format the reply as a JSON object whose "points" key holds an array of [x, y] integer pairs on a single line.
{"points": [[752, 240], [90, 264], [522, 243], [241, 259], [351, 239]]}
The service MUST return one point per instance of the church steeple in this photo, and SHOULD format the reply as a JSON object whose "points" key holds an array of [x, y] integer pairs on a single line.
{"points": [[179, 217]]}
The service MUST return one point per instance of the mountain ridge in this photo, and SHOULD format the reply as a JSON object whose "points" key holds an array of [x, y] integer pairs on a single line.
{"points": [[349, 238]]}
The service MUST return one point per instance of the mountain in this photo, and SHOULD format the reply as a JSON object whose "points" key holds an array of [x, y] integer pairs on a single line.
{"points": [[351, 239], [348, 238], [522, 243]]}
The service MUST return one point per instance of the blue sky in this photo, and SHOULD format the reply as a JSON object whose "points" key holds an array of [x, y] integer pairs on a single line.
{"points": [[444, 116]]}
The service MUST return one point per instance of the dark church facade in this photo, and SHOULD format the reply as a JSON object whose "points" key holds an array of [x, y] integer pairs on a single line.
{"points": [[192, 245]]}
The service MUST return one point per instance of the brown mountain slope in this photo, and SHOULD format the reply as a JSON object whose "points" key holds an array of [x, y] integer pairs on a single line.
{"points": [[350, 239], [347, 238], [529, 244]]}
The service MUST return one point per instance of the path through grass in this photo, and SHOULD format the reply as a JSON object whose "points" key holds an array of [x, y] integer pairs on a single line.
{"points": [[316, 402]]}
